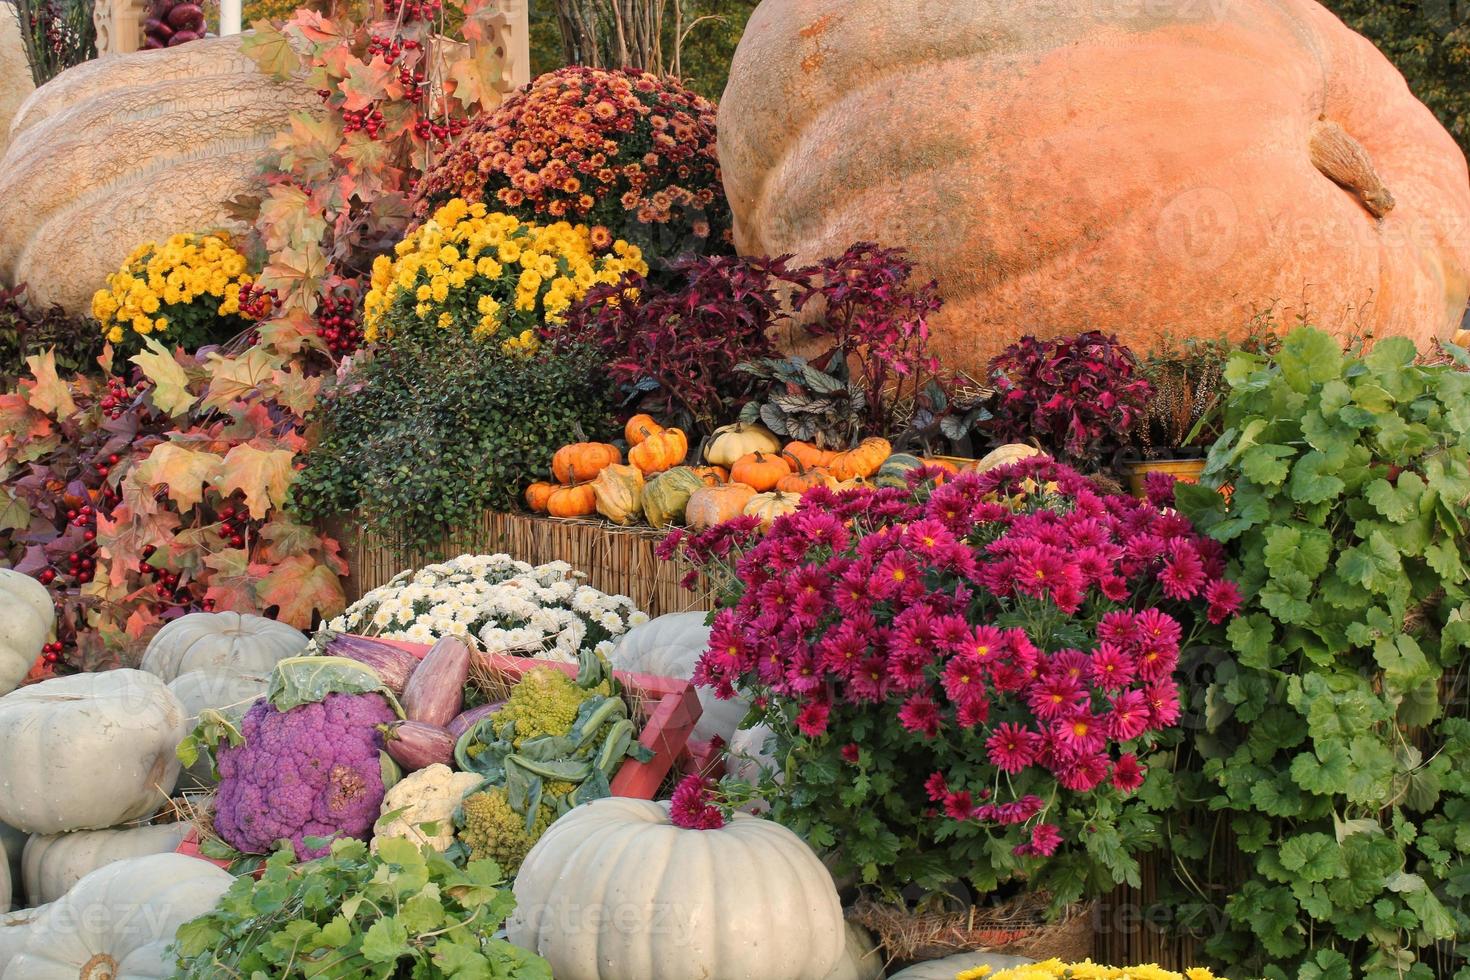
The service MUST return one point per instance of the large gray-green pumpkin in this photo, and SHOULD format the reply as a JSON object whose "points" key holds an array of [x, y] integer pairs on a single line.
{"points": [[238, 641], [119, 921], [670, 646], [26, 617], [88, 751], [53, 863]]}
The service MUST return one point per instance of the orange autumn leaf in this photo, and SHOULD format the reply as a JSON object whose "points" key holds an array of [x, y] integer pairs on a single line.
{"points": [[299, 587], [263, 475], [48, 393], [231, 586], [186, 474]]}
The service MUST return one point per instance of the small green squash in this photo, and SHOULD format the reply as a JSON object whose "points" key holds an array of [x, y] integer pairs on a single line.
{"points": [[895, 470], [666, 495]]}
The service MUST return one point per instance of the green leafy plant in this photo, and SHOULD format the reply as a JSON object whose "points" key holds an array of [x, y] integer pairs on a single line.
{"points": [[25, 331], [351, 914], [429, 433], [805, 403], [1336, 736]]}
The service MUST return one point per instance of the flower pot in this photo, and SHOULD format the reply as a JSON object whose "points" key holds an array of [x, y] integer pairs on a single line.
{"points": [[1183, 470]]}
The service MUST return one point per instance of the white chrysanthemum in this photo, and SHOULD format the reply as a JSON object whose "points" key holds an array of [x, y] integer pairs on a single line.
{"points": [[382, 617], [637, 618], [605, 649], [611, 622]]}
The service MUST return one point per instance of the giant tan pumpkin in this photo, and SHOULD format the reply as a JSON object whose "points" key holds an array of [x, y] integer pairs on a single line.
{"points": [[15, 71], [128, 148], [1138, 167]]}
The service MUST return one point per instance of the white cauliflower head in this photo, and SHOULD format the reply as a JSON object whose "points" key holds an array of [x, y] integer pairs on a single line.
{"points": [[428, 796]]}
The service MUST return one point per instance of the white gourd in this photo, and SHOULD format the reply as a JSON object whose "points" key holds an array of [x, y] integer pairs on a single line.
{"points": [[119, 921], [53, 863], [946, 968], [88, 751], [223, 689], [670, 646], [14, 928], [26, 618], [239, 641], [861, 958], [614, 889]]}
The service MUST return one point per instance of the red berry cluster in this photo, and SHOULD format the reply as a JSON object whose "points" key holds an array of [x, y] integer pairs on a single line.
{"points": [[369, 120], [256, 303], [427, 129], [51, 652], [338, 324], [415, 9], [118, 398]]}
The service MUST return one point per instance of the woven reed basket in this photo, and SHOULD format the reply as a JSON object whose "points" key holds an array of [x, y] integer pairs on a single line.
{"points": [[1018, 928]]}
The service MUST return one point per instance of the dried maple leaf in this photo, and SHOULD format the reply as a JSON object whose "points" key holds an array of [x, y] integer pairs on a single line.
{"points": [[48, 393], [270, 50], [170, 381], [184, 472], [299, 587], [263, 475]]}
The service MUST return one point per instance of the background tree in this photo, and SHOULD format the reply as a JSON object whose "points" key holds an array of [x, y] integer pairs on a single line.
{"points": [[1427, 40]]}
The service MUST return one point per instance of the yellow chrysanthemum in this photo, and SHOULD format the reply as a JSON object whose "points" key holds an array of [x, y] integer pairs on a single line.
{"points": [[467, 249]]}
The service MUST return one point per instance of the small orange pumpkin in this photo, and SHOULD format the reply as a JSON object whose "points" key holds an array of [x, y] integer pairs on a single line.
{"points": [[639, 428], [537, 494], [709, 506], [863, 460], [662, 450], [579, 500], [941, 464], [807, 455], [582, 461], [712, 476], [804, 480], [760, 470]]}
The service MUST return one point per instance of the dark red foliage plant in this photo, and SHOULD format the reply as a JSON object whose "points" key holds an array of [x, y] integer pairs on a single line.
{"points": [[686, 340], [1077, 396]]}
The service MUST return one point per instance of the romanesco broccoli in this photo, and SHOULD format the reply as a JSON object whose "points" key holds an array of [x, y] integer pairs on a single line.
{"points": [[490, 828], [544, 702]]}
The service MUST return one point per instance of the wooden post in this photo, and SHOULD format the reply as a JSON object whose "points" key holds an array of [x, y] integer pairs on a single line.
{"points": [[229, 17], [119, 25]]}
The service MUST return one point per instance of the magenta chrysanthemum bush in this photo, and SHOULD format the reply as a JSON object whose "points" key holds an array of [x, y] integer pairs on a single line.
{"points": [[966, 682]]}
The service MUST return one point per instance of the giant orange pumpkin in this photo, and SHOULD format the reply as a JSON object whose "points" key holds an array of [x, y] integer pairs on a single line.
{"points": [[1143, 168]]}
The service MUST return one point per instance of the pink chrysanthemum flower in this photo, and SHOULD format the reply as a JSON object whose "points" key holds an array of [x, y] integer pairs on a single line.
{"points": [[1012, 747]]}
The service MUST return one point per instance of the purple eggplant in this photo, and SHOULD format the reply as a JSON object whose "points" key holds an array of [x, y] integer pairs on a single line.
{"points": [[463, 721], [415, 745], [435, 691], [393, 664]]}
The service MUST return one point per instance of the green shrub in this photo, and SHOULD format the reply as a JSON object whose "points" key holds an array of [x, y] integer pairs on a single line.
{"points": [[1335, 741], [25, 331], [426, 435]]}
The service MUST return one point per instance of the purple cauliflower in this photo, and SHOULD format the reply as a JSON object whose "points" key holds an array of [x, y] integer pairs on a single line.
{"points": [[313, 771]]}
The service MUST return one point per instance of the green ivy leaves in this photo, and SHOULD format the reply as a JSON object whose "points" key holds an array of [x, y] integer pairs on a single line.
{"points": [[1330, 743]]}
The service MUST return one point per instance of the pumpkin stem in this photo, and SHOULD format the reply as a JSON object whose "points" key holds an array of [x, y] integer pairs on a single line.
{"points": [[99, 967], [1343, 160]]}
